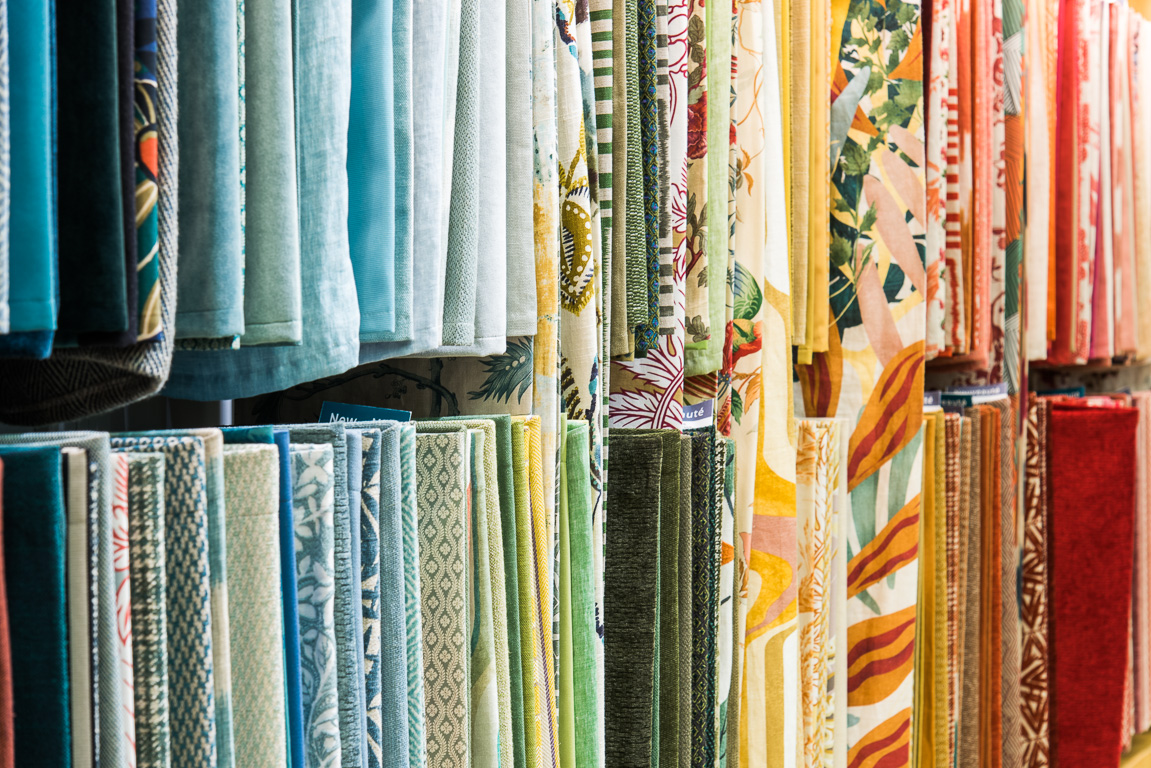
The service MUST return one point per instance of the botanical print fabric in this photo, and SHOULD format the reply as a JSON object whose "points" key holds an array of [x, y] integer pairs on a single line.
{"points": [[149, 621], [877, 291], [149, 323], [1034, 700], [188, 598], [121, 562], [251, 481], [441, 477], [313, 502]]}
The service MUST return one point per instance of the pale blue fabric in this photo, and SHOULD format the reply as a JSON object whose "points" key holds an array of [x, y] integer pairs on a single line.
{"points": [[322, 67], [32, 233], [429, 30], [370, 588], [354, 440], [210, 289], [349, 669], [371, 167], [402, 88]]}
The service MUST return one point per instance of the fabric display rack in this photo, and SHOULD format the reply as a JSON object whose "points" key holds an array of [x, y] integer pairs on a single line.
{"points": [[543, 384]]}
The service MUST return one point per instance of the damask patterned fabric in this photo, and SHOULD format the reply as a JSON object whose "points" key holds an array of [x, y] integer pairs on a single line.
{"points": [[313, 506], [441, 477], [34, 544], [188, 596], [252, 493], [149, 620]]}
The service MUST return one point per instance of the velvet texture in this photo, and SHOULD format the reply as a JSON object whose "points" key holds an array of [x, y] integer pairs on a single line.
{"points": [[34, 554], [1091, 455]]}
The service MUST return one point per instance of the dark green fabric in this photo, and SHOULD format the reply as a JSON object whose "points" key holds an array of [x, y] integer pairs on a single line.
{"points": [[93, 281], [631, 566], [34, 541], [729, 710], [665, 725], [126, 66], [705, 591], [635, 254], [506, 478], [685, 600]]}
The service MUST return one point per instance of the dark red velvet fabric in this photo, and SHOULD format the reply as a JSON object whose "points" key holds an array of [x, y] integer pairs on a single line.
{"points": [[1091, 453], [7, 726]]}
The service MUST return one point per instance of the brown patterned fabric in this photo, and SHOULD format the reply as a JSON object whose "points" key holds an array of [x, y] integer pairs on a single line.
{"points": [[970, 533], [1011, 746], [1033, 692], [955, 432]]}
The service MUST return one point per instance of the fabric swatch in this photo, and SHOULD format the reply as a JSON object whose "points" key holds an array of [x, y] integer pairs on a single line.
{"points": [[7, 720], [149, 619], [313, 505], [34, 541], [5, 171], [355, 457], [121, 562], [403, 145], [413, 595], [369, 521], [521, 265], [483, 697], [441, 479], [83, 697], [252, 496]]}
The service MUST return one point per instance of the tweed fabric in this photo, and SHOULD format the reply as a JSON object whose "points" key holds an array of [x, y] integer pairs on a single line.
{"points": [[252, 495], [34, 553], [442, 506], [188, 597], [148, 555], [82, 694], [631, 599], [351, 683], [1034, 696], [313, 505], [111, 712], [413, 639]]}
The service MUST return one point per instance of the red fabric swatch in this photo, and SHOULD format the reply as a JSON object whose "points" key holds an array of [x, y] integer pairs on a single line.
{"points": [[7, 726], [1091, 453]]}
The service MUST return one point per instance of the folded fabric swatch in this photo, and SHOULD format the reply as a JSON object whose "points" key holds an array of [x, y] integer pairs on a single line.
{"points": [[521, 256], [484, 710], [81, 694], [631, 599], [148, 554], [34, 536], [7, 724], [104, 671], [5, 169], [32, 299], [1091, 454], [686, 598], [330, 342], [489, 516], [272, 280], [371, 167], [93, 280], [126, 109], [213, 440], [349, 668], [441, 478], [211, 287], [705, 542], [428, 49], [145, 124], [413, 595], [188, 598], [369, 503], [122, 564], [252, 494], [289, 599], [353, 440], [313, 505], [727, 728], [403, 146]]}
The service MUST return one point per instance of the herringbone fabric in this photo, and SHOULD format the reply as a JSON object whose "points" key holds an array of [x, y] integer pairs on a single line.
{"points": [[313, 504], [148, 555], [442, 506], [188, 596], [252, 494]]}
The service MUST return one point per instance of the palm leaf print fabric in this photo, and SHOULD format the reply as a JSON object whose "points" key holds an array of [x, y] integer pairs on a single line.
{"points": [[313, 503], [149, 621], [877, 289], [188, 598]]}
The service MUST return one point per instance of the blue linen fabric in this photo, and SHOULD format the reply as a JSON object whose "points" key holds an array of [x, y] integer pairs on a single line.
{"points": [[402, 125], [414, 636], [355, 447], [330, 344], [371, 167]]}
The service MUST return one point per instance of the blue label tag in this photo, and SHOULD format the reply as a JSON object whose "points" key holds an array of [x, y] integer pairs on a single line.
{"points": [[1068, 391], [992, 391], [956, 403], [699, 414], [347, 412]]}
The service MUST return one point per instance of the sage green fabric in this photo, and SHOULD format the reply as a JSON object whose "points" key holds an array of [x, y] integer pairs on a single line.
{"points": [[631, 599], [484, 714], [707, 356], [252, 496], [521, 497]]}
